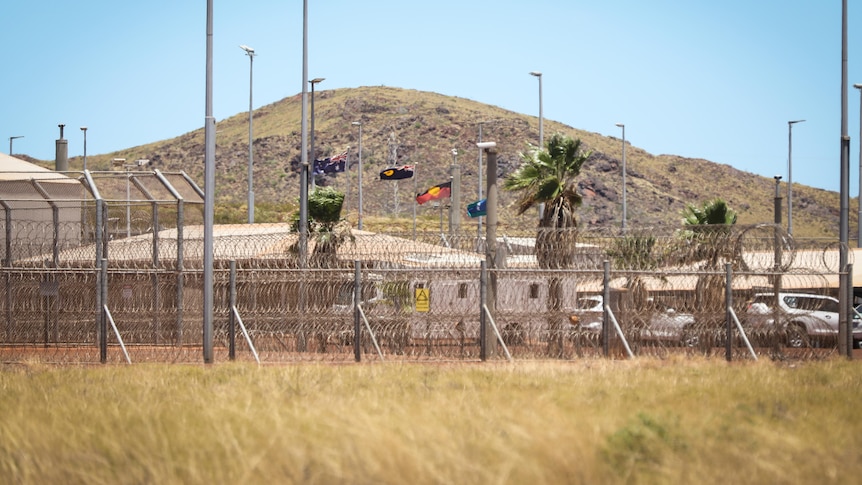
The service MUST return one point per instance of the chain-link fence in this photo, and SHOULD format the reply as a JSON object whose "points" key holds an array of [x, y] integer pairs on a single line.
{"points": [[108, 267]]}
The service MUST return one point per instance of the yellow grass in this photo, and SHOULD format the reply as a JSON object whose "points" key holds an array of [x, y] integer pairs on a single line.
{"points": [[647, 421]]}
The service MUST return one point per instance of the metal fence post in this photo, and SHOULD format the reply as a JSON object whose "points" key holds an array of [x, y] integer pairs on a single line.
{"points": [[849, 299], [103, 319], [357, 300], [231, 322], [180, 270], [606, 295], [7, 264], [483, 298], [728, 308]]}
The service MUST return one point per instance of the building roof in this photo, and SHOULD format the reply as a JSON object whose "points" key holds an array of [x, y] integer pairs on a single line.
{"points": [[12, 168]]}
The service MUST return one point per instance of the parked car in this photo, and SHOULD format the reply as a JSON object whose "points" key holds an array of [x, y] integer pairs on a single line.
{"points": [[665, 324], [805, 318], [669, 326]]}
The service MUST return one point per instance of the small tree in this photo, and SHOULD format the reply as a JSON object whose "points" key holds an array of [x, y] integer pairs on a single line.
{"points": [[325, 225]]}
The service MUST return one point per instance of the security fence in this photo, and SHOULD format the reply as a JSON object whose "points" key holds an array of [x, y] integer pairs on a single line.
{"points": [[390, 298], [108, 267]]}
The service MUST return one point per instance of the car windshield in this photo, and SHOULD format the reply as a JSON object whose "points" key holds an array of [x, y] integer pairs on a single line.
{"points": [[588, 303], [829, 306]]}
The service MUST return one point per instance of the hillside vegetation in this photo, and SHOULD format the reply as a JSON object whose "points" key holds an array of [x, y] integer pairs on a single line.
{"points": [[403, 126]]}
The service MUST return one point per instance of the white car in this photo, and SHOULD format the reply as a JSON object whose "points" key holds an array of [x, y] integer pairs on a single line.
{"points": [[807, 318], [665, 324]]}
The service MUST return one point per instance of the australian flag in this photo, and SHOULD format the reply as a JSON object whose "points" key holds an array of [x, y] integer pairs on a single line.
{"points": [[331, 164]]}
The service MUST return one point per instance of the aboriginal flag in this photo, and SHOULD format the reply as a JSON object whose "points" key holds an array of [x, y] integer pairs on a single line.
{"points": [[397, 173], [437, 192]]}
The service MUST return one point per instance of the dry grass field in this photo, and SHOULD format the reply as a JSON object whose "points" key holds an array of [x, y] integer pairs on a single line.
{"points": [[589, 421]]}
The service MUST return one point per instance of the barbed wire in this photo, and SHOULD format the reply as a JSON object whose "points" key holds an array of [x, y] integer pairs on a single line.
{"points": [[667, 287]]}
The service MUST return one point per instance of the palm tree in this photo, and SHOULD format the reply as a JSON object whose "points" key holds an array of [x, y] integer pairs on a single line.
{"points": [[708, 234], [709, 239], [548, 176], [714, 211]]}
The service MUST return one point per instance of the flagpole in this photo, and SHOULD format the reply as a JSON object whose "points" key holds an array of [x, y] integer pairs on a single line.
{"points": [[441, 217], [415, 166], [347, 190], [479, 222]]}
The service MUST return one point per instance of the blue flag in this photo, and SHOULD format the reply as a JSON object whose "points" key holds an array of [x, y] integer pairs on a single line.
{"points": [[477, 208]]}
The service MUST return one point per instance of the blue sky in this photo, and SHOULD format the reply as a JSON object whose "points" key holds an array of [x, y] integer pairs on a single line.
{"points": [[696, 78]]}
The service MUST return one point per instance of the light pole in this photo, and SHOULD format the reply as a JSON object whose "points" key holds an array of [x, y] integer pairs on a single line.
{"points": [[625, 213], [541, 120], [250, 52], [790, 175], [859, 215], [313, 155], [541, 132], [359, 124], [486, 347], [10, 142], [845, 280], [303, 175], [84, 129]]}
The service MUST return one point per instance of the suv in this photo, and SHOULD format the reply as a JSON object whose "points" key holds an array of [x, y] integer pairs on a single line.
{"points": [[807, 318]]}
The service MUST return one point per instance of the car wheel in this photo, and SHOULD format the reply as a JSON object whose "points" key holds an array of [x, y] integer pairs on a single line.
{"points": [[690, 338], [797, 337]]}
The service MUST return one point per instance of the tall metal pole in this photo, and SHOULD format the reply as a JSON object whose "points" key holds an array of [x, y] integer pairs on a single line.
{"points": [[248, 50], [541, 118], [303, 177], [790, 175], [479, 219], [84, 129], [415, 192], [209, 194], [359, 124], [777, 249], [455, 196], [346, 205], [490, 244], [625, 212], [10, 142], [313, 154], [844, 336], [541, 205], [776, 212], [859, 214], [128, 202]]}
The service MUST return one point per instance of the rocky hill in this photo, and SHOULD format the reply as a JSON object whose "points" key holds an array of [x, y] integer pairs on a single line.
{"points": [[402, 126]]}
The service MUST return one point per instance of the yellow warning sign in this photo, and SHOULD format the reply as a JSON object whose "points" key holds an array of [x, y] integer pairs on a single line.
{"points": [[423, 300]]}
